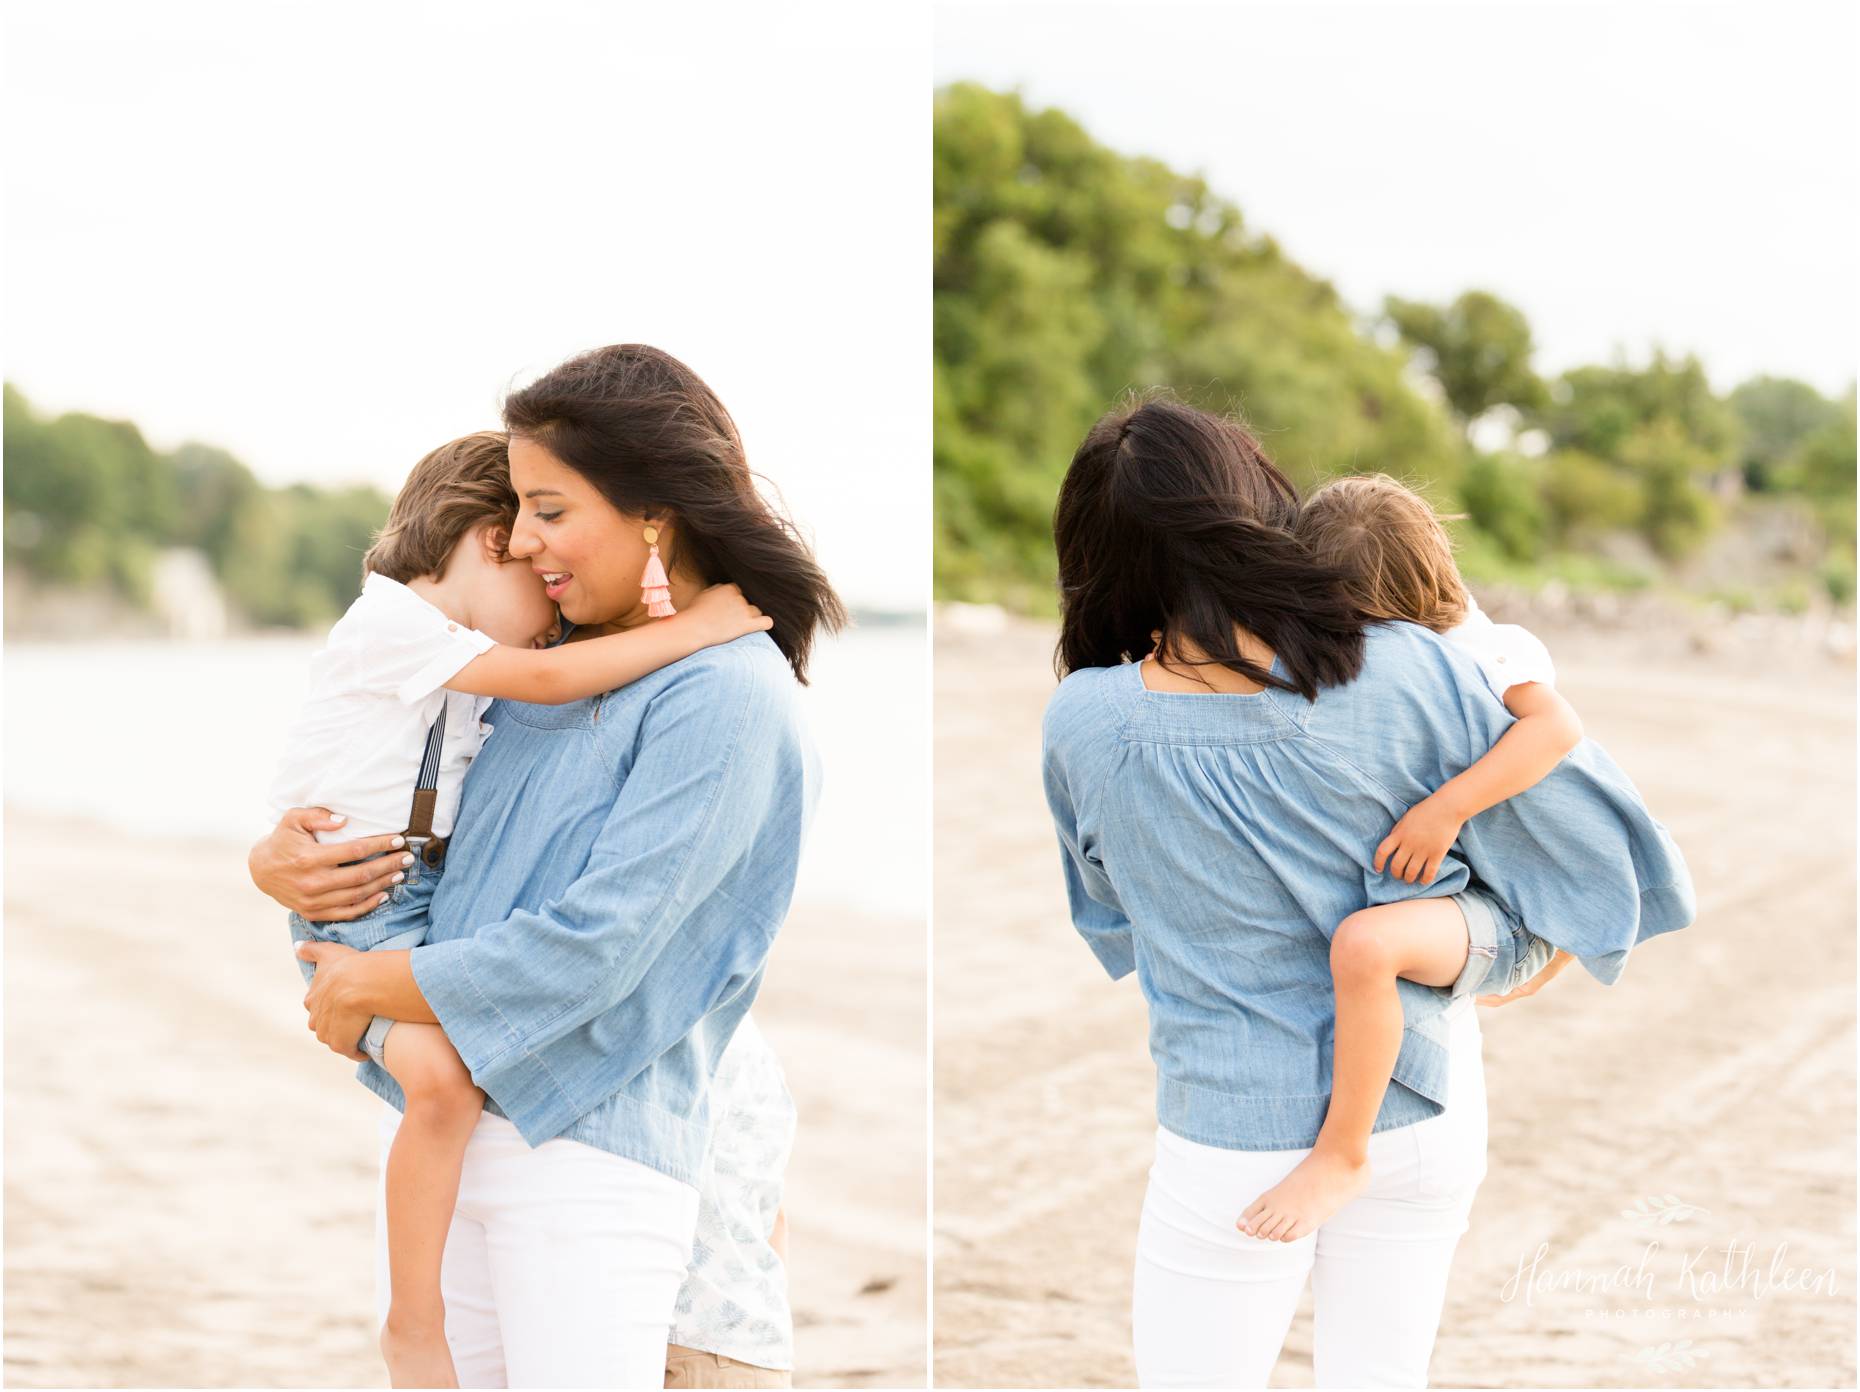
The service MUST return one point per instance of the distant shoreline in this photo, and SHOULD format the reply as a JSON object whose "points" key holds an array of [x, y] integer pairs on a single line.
{"points": [[37, 612]]}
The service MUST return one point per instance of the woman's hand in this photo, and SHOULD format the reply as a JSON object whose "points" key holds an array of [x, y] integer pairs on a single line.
{"points": [[336, 1016], [1420, 841], [312, 879], [1534, 985]]}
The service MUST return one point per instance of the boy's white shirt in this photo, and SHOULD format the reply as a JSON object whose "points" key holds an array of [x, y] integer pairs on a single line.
{"points": [[1506, 653], [375, 690]]}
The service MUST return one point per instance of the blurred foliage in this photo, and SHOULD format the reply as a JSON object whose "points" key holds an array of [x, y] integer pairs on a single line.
{"points": [[1478, 348], [1067, 274], [89, 503], [1504, 499]]}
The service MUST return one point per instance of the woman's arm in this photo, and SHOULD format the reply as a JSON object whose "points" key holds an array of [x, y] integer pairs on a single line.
{"points": [[1547, 728], [576, 671], [350, 988], [1096, 912]]}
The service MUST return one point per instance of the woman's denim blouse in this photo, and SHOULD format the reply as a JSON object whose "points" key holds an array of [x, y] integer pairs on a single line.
{"points": [[1213, 843], [617, 874]]}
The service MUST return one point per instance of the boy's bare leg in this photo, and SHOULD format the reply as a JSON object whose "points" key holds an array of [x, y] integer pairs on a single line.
{"points": [[422, 1187], [1423, 940]]}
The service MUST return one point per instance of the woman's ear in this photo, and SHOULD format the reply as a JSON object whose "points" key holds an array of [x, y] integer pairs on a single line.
{"points": [[667, 526]]}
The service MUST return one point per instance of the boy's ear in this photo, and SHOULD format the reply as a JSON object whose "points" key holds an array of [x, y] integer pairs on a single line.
{"points": [[496, 541]]}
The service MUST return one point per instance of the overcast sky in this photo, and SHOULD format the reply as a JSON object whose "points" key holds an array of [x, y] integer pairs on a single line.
{"points": [[1625, 173], [327, 236]]}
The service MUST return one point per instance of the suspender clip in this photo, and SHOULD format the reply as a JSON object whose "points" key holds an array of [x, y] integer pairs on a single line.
{"points": [[430, 849]]}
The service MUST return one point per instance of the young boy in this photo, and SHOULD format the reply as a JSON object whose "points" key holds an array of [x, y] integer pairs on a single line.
{"points": [[1399, 563], [445, 623]]}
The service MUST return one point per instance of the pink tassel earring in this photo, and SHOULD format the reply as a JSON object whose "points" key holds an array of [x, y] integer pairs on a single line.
{"points": [[655, 589]]}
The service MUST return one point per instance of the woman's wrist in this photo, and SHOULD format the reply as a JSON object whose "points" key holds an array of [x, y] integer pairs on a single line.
{"points": [[383, 984], [355, 985]]}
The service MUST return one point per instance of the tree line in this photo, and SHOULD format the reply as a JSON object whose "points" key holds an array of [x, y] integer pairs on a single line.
{"points": [[89, 503], [1067, 274]]}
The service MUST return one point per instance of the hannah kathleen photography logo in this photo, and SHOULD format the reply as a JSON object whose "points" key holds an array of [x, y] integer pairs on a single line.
{"points": [[1668, 1278]]}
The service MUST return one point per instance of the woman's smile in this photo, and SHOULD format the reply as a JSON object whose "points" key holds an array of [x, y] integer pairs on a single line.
{"points": [[555, 581]]}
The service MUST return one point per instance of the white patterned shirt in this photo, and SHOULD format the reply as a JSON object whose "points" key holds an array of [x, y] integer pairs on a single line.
{"points": [[735, 1297]]}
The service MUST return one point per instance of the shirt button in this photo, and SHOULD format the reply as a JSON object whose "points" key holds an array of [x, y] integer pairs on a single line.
{"points": [[1501, 657], [454, 628]]}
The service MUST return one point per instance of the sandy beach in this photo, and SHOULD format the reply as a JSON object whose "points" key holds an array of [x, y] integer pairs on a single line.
{"points": [[1718, 1072], [190, 1176]]}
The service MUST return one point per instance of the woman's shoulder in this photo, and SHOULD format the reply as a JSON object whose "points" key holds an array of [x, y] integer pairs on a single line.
{"points": [[1399, 655], [1407, 672], [1087, 703], [1415, 690], [750, 667], [745, 684], [750, 662]]}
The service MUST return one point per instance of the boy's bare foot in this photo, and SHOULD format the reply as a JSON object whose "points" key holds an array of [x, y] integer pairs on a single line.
{"points": [[1317, 1187], [416, 1353]]}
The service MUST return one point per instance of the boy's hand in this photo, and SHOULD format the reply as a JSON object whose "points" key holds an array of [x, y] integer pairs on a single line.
{"points": [[1420, 841], [720, 613]]}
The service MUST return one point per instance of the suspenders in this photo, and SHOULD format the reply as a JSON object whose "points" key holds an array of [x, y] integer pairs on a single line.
{"points": [[420, 839]]}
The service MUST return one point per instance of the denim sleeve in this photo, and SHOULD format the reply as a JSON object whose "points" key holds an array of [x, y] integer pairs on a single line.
{"points": [[1096, 913], [700, 845]]}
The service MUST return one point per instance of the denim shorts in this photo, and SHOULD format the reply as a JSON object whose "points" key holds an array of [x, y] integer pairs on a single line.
{"points": [[1501, 953], [398, 923]]}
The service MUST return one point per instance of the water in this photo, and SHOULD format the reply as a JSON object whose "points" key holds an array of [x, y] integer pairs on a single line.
{"points": [[180, 739]]}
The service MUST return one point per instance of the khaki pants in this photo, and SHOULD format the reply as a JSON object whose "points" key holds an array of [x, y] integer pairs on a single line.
{"points": [[687, 1367]]}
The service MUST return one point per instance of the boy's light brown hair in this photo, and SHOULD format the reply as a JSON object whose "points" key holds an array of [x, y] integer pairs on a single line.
{"points": [[1396, 557], [457, 487]]}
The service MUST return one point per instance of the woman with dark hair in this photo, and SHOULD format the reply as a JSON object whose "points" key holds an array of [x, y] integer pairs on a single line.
{"points": [[615, 878], [1218, 803]]}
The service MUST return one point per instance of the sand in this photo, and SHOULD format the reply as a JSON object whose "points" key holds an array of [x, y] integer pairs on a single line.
{"points": [[190, 1176], [1719, 1070]]}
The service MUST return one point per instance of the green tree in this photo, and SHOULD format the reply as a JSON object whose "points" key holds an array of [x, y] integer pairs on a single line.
{"points": [[1596, 409], [86, 499], [89, 503], [1504, 500], [214, 490], [1777, 414], [1678, 514], [1822, 469], [1478, 348], [1067, 274], [1586, 495]]}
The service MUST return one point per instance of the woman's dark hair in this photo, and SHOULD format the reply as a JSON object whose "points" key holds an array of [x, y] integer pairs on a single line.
{"points": [[1172, 518], [654, 439]]}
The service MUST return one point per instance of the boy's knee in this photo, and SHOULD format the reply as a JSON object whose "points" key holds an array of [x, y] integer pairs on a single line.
{"points": [[1358, 952], [441, 1092]]}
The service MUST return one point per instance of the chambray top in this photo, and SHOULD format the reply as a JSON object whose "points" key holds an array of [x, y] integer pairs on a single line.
{"points": [[612, 888], [1213, 842]]}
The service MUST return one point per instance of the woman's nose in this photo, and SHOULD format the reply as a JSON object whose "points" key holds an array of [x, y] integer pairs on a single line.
{"points": [[523, 541]]}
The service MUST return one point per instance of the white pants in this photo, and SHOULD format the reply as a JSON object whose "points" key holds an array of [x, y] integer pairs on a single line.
{"points": [[562, 1264], [1211, 1305]]}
